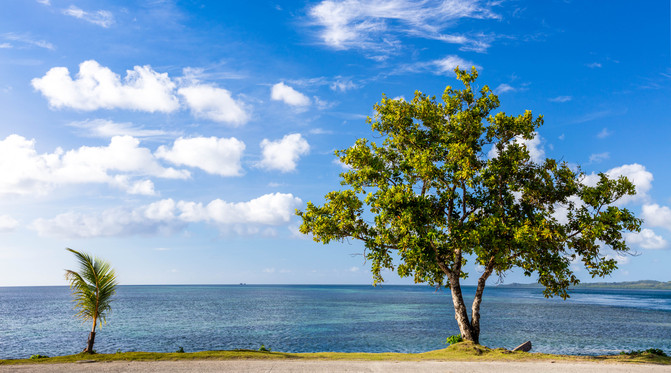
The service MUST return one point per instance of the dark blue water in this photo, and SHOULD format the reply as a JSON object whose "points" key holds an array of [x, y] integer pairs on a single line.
{"points": [[39, 320]]}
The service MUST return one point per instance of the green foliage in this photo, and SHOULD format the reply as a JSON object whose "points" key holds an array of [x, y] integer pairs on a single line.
{"points": [[263, 348], [38, 356], [453, 339], [650, 351], [453, 180], [118, 351], [93, 287], [431, 195], [180, 350]]}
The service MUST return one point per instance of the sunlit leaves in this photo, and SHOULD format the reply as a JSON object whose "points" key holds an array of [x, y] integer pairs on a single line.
{"points": [[427, 190]]}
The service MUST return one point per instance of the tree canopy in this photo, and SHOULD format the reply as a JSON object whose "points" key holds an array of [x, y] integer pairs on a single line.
{"points": [[452, 181]]}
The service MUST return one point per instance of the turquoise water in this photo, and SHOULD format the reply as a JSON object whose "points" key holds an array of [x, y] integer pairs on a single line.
{"points": [[308, 318]]}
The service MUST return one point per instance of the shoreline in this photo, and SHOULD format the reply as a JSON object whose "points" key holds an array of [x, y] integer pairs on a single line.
{"points": [[341, 366], [459, 352]]}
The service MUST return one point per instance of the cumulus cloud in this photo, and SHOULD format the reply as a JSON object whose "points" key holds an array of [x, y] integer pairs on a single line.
{"points": [[8, 224], [376, 25], [534, 147], [657, 216], [636, 173], [342, 85], [26, 172], [215, 104], [646, 239], [167, 216], [102, 18], [283, 154], [107, 129], [290, 96], [97, 87], [219, 156]]}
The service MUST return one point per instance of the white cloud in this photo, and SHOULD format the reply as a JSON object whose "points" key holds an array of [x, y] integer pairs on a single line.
{"points": [[342, 85], [167, 216], [534, 147], [44, 2], [26, 172], [646, 239], [26, 39], [107, 129], [503, 88], [8, 224], [657, 216], [220, 156], [376, 24], [599, 157], [215, 104], [449, 63], [636, 173], [604, 133], [5, 46], [593, 65], [561, 99], [619, 258], [283, 154], [97, 87], [101, 18], [290, 96]]}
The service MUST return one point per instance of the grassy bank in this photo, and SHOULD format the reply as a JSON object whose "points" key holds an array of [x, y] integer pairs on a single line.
{"points": [[464, 351]]}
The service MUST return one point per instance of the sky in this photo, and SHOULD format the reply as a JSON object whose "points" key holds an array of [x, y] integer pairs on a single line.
{"points": [[175, 139]]}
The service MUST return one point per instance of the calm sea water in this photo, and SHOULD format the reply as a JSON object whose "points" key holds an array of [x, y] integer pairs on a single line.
{"points": [[297, 318]]}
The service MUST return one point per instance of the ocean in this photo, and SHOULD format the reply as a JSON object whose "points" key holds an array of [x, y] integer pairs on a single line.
{"points": [[347, 318]]}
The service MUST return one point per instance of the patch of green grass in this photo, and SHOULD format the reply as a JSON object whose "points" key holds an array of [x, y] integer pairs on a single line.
{"points": [[463, 351]]}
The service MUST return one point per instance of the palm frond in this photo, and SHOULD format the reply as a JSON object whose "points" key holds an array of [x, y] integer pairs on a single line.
{"points": [[93, 286]]}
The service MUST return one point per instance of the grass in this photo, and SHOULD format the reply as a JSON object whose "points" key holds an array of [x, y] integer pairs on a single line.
{"points": [[464, 351]]}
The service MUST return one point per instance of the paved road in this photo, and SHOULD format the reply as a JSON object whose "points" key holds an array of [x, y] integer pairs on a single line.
{"points": [[279, 366]]}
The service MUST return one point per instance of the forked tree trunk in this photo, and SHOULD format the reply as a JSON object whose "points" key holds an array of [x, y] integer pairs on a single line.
{"points": [[461, 315], [470, 329]]}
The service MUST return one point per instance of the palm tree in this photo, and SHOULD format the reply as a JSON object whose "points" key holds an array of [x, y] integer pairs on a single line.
{"points": [[93, 287]]}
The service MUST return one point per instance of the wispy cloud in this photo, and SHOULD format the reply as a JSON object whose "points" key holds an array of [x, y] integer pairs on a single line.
{"points": [[102, 18], [561, 99], [375, 25], [594, 65], [604, 133], [443, 66], [26, 40], [107, 129], [599, 157], [503, 88]]}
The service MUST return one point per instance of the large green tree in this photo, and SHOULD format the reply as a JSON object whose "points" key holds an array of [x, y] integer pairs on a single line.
{"points": [[451, 181], [93, 287]]}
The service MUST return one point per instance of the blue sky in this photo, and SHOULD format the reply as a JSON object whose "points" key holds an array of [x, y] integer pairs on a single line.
{"points": [[175, 139]]}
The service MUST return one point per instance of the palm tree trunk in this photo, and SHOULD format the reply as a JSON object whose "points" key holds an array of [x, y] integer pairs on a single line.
{"points": [[92, 338]]}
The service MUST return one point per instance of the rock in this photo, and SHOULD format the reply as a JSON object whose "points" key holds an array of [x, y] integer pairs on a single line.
{"points": [[526, 347]]}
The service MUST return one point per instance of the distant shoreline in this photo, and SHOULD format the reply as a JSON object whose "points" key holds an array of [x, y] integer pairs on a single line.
{"points": [[634, 285], [642, 285]]}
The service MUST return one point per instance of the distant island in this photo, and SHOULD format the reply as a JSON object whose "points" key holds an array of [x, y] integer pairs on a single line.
{"points": [[643, 284]]}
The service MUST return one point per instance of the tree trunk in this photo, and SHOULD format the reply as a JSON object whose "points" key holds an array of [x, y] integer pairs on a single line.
{"points": [[89, 344], [92, 337], [460, 314]]}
